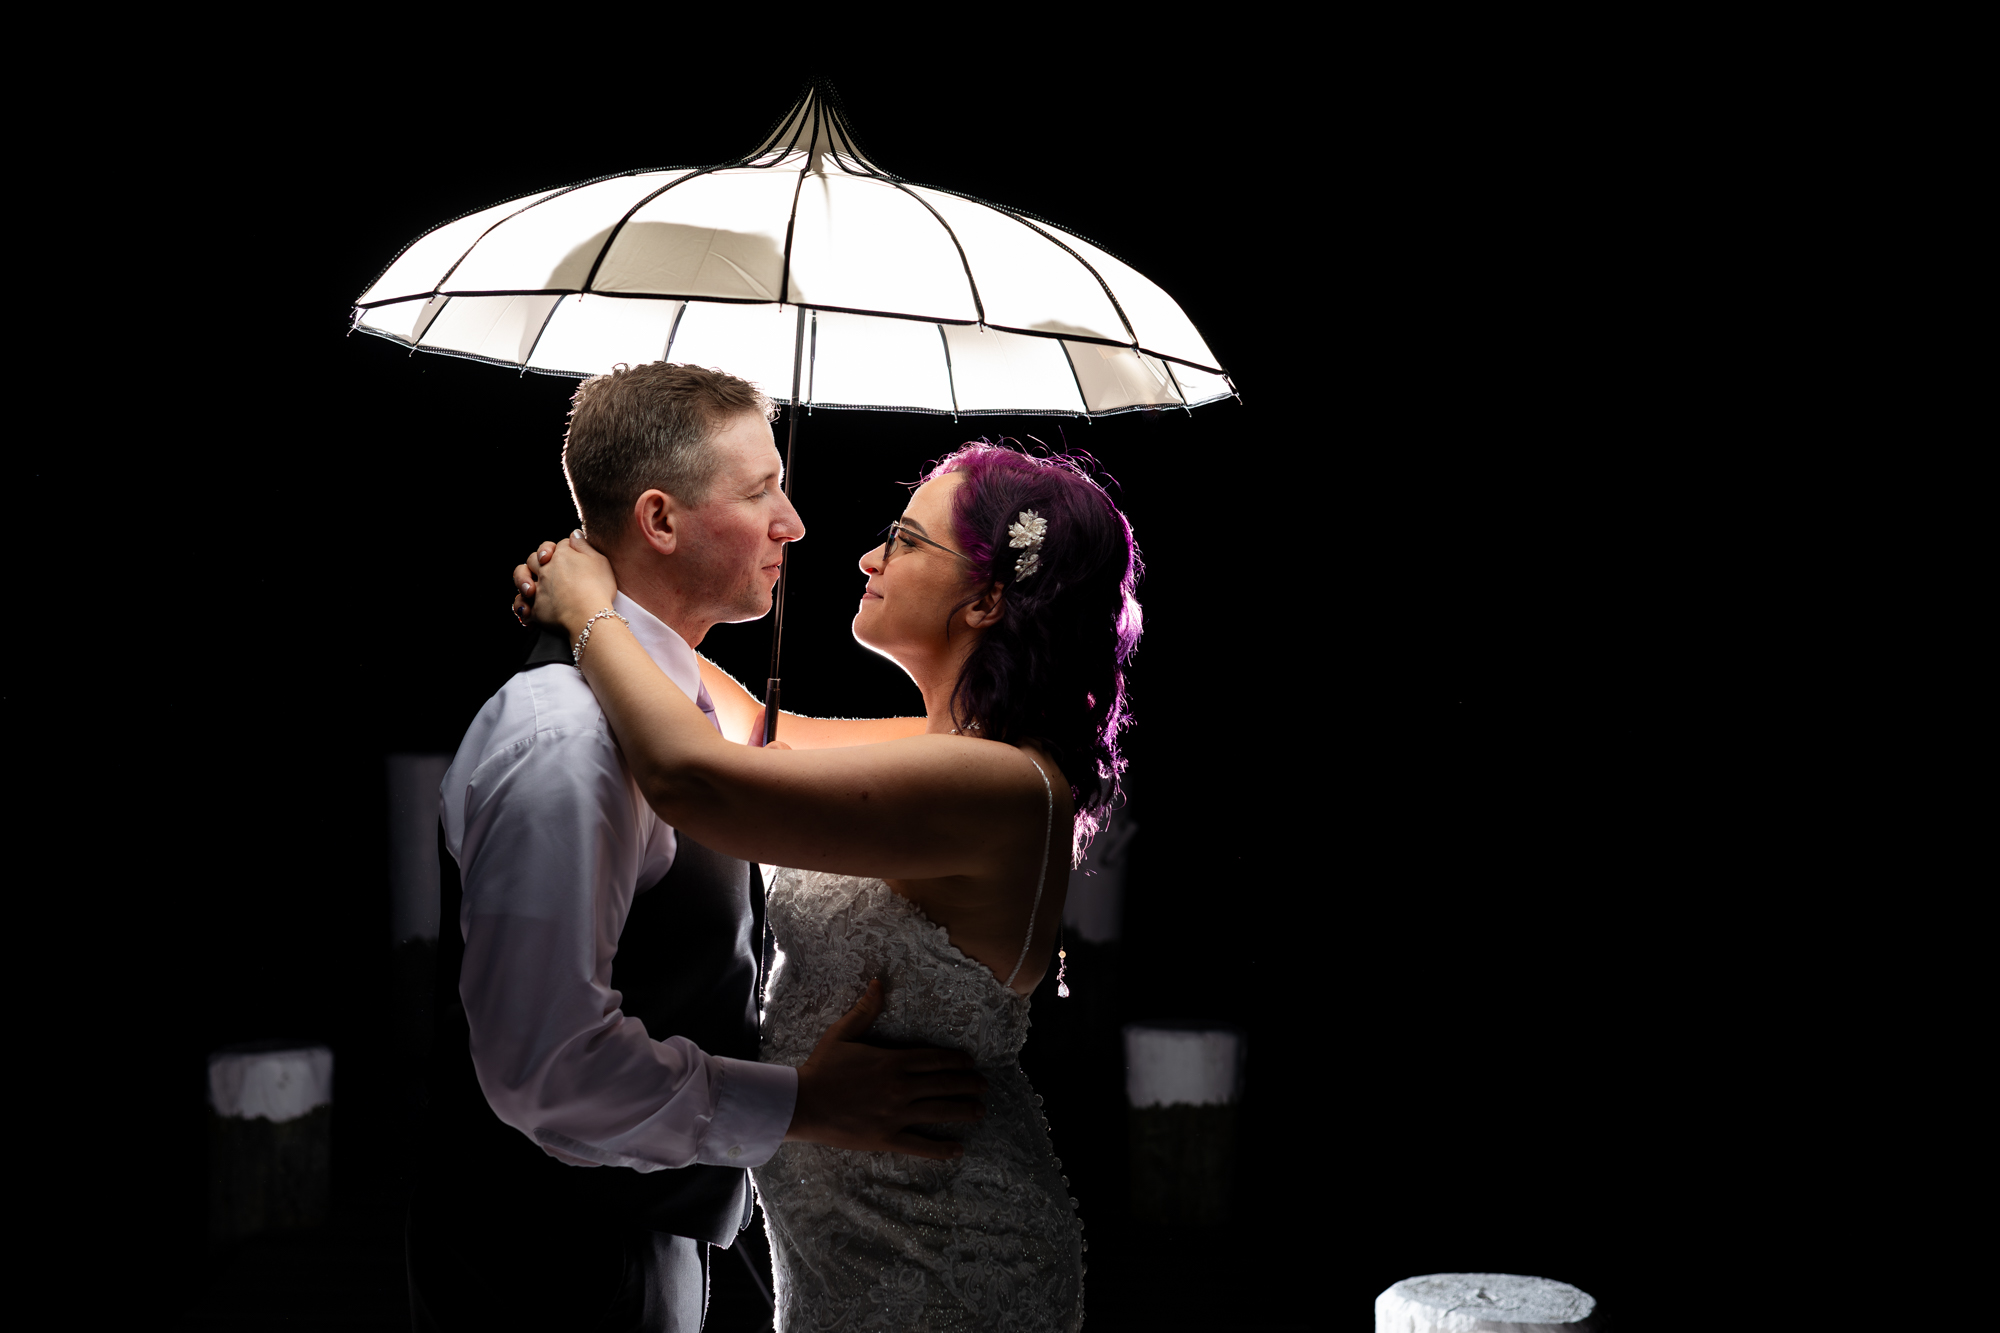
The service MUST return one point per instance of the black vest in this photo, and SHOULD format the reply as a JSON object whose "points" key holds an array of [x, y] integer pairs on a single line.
{"points": [[689, 964]]}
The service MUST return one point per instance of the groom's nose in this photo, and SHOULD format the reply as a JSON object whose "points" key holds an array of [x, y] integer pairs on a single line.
{"points": [[787, 526]]}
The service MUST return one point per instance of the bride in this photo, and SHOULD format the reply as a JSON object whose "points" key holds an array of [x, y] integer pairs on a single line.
{"points": [[927, 873]]}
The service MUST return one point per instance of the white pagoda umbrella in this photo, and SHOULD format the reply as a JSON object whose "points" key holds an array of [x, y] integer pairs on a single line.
{"points": [[805, 264]]}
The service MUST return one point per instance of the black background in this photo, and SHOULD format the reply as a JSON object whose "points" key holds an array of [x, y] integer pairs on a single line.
{"points": [[1391, 764]]}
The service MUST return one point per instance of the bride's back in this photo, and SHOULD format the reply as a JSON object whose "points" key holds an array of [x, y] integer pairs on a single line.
{"points": [[837, 932], [1008, 920]]}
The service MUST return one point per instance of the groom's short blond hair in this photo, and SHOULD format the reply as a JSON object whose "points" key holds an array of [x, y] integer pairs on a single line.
{"points": [[648, 427]]}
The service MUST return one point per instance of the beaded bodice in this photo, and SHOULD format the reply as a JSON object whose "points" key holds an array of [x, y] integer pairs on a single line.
{"points": [[848, 930], [887, 1241]]}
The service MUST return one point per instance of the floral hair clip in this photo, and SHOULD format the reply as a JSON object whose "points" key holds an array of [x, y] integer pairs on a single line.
{"points": [[1026, 535]]}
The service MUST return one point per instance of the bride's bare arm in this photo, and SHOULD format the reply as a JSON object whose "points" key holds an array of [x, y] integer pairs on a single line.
{"points": [[920, 807], [742, 713]]}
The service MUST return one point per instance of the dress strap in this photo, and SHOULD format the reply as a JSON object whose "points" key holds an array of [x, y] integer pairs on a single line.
{"points": [[1041, 880]]}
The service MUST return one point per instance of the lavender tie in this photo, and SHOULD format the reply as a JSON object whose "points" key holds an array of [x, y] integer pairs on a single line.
{"points": [[707, 705]]}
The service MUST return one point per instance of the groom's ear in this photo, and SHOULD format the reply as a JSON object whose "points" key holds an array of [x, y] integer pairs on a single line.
{"points": [[656, 518]]}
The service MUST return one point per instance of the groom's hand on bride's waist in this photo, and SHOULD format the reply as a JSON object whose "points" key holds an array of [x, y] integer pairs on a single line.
{"points": [[852, 1095]]}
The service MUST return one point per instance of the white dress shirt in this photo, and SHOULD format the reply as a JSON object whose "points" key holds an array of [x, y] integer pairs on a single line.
{"points": [[553, 839]]}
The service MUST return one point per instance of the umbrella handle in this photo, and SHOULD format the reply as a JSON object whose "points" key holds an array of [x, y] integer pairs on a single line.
{"points": [[770, 711]]}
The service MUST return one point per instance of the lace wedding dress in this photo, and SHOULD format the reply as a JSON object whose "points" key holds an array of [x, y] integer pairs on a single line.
{"points": [[863, 1240]]}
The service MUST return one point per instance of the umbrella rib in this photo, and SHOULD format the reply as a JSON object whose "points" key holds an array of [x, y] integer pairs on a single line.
{"points": [[1035, 225], [978, 305], [549, 193], [778, 132], [778, 129], [612, 239], [545, 197], [792, 220], [789, 146], [553, 194], [1036, 218], [1088, 267], [674, 332], [852, 161], [1070, 361], [950, 379], [838, 115], [539, 332], [418, 341]]}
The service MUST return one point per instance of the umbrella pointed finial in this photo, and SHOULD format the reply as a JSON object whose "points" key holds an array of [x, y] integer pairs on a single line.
{"points": [[816, 126]]}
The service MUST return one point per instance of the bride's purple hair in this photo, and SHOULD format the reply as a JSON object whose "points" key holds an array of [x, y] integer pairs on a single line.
{"points": [[1052, 669]]}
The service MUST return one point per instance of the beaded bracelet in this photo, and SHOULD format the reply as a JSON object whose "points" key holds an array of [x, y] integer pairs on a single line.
{"points": [[576, 653]]}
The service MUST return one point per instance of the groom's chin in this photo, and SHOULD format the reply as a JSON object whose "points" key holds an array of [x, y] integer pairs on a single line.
{"points": [[750, 610]]}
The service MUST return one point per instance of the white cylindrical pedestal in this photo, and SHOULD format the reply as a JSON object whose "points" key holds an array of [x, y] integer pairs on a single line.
{"points": [[270, 1138], [1483, 1303], [413, 781], [1183, 1081]]}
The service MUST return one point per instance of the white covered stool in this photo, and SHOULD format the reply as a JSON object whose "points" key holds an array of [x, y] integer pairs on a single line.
{"points": [[1183, 1081], [270, 1138], [1483, 1303]]}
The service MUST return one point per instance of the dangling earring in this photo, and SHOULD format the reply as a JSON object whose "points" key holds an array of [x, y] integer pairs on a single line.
{"points": [[1062, 964]]}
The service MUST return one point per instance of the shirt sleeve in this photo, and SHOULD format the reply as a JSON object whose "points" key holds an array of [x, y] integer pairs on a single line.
{"points": [[554, 837]]}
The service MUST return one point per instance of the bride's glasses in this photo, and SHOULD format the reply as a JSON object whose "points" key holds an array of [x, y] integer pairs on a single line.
{"points": [[900, 532]]}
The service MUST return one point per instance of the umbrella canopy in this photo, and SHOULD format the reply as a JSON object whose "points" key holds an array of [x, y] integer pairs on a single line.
{"points": [[910, 298]]}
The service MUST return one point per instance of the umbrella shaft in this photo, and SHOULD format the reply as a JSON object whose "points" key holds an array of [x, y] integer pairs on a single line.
{"points": [[785, 552], [777, 639]]}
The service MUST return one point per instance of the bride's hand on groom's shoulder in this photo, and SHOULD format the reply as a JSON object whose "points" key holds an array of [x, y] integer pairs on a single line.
{"points": [[525, 575], [563, 584]]}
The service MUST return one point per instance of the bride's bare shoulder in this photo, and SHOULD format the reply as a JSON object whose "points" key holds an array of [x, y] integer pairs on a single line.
{"points": [[1049, 770]]}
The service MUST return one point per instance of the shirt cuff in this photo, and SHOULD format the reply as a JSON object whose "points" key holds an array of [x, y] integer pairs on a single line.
{"points": [[753, 1109]]}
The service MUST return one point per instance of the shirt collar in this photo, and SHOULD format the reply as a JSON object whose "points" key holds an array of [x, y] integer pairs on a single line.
{"points": [[668, 650]]}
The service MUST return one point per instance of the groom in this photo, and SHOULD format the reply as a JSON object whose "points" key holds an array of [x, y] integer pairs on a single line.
{"points": [[598, 1099]]}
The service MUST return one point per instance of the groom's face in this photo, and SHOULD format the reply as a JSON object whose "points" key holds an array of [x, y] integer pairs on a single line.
{"points": [[731, 544]]}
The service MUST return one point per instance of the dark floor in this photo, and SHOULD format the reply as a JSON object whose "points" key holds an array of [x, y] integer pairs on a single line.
{"points": [[346, 1275], [349, 1276]]}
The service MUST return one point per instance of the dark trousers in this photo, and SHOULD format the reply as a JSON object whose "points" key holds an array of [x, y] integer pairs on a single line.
{"points": [[482, 1269]]}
